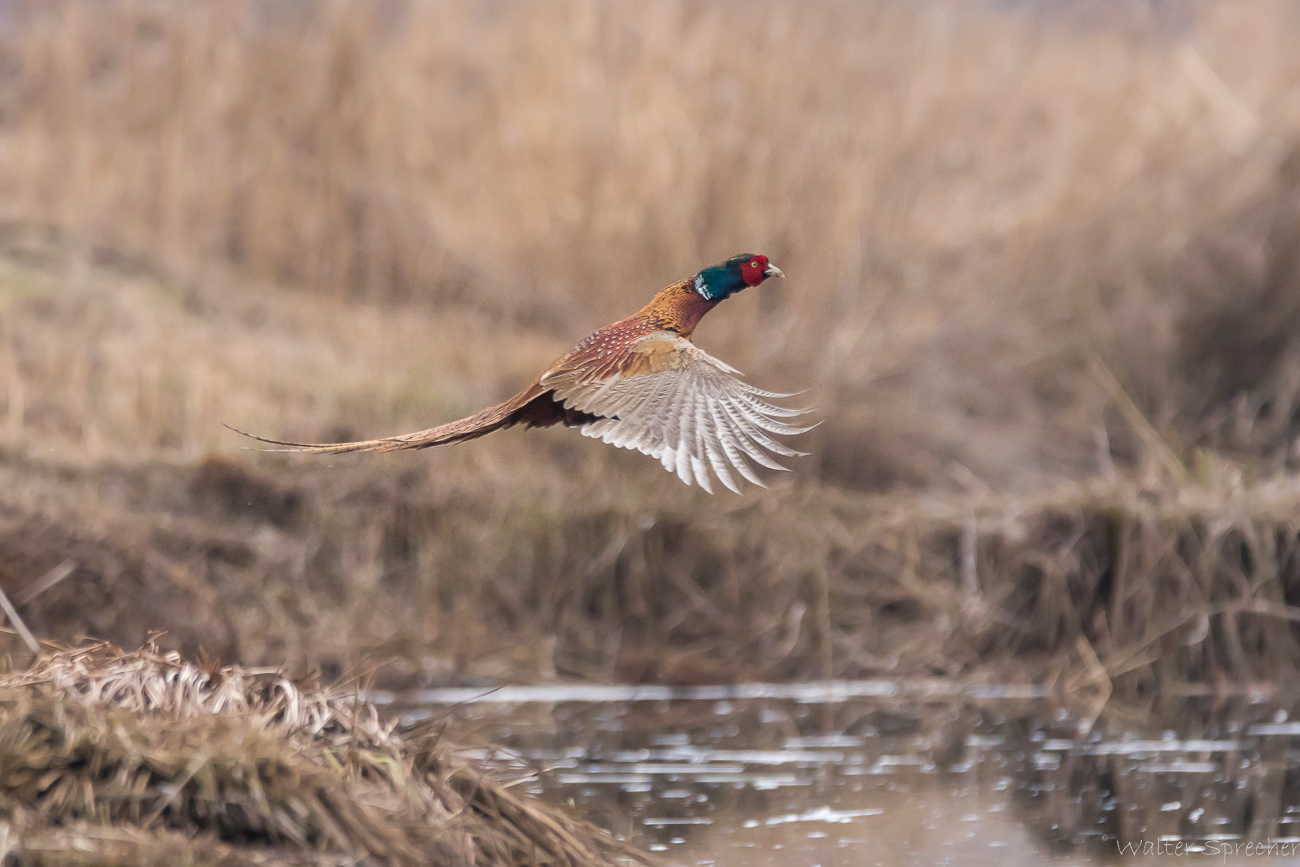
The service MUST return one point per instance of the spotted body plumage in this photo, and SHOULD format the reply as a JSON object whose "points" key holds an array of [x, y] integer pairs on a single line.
{"points": [[641, 384]]}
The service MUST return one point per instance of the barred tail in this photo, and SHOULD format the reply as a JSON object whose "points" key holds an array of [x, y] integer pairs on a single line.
{"points": [[480, 424]]}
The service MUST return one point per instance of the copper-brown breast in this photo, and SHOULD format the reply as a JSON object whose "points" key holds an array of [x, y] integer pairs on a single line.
{"points": [[678, 308]]}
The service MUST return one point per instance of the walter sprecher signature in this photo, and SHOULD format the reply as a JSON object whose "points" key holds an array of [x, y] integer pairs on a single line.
{"points": [[1212, 848]]}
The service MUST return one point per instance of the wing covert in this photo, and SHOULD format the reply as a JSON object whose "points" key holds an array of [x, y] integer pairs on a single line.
{"points": [[683, 406]]}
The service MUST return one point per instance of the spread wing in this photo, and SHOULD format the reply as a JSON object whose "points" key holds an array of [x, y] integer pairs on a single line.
{"points": [[666, 397]]}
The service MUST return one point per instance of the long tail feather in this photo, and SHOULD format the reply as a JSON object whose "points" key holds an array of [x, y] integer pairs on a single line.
{"points": [[419, 440], [480, 424]]}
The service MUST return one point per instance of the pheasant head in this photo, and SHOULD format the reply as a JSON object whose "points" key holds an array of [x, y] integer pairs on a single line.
{"points": [[679, 307], [737, 273]]}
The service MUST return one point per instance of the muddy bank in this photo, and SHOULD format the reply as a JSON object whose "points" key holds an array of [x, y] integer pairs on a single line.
{"points": [[148, 759]]}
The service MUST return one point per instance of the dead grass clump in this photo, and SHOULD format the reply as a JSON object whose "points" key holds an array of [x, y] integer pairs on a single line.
{"points": [[1185, 589], [145, 757]]}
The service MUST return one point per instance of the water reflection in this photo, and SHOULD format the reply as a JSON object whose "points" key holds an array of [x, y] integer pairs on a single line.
{"points": [[1217, 782], [897, 778]]}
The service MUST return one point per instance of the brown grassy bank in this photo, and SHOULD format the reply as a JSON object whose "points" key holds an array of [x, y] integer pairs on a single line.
{"points": [[1043, 281], [1173, 587], [109, 757]]}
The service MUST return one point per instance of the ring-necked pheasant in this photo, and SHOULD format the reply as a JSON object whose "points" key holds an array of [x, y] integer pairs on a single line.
{"points": [[641, 384]]}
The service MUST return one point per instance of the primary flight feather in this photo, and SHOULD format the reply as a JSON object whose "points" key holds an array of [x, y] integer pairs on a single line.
{"points": [[641, 384]]}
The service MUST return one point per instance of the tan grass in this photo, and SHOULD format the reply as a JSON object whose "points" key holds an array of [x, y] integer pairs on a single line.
{"points": [[1041, 278], [969, 202], [115, 754], [1183, 584]]}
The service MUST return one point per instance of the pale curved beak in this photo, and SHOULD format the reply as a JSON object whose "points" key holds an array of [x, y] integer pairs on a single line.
{"points": [[773, 271]]}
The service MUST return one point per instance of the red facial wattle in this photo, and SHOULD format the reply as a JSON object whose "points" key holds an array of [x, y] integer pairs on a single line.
{"points": [[752, 272]]}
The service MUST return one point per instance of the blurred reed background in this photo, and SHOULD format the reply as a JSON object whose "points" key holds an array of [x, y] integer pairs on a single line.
{"points": [[1031, 248]]}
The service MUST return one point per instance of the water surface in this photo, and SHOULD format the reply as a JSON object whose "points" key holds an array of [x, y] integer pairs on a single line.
{"points": [[896, 772]]}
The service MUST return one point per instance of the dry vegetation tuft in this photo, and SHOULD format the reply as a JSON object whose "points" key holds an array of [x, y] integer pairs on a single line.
{"points": [[148, 759]]}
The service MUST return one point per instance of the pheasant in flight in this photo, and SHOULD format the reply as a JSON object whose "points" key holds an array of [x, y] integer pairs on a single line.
{"points": [[641, 384]]}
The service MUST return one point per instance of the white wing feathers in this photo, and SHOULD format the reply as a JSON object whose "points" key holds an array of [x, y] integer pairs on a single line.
{"points": [[694, 416]]}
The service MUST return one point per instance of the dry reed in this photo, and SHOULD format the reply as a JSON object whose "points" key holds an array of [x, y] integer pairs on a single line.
{"points": [[971, 202], [1022, 248], [148, 759], [1185, 584]]}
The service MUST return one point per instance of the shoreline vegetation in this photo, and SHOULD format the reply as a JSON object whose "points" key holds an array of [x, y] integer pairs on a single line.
{"points": [[1174, 587], [142, 758], [1044, 286]]}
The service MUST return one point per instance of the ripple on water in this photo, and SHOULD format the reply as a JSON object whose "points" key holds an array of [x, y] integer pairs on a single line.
{"points": [[897, 772]]}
